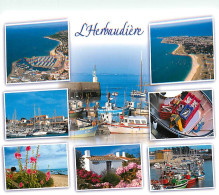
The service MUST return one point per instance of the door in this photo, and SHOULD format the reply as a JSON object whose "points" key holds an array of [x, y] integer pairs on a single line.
{"points": [[108, 166]]}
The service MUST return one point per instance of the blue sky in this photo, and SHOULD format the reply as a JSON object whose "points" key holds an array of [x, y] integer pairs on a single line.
{"points": [[53, 155], [47, 101], [104, 150], [197, 147], [110, 59]]}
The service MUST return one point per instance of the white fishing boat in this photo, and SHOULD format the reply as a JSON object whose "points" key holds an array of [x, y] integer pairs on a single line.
{"points": [[130, 125], [39, 133]]}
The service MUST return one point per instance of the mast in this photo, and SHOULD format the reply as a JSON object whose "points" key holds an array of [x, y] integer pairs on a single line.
{"points": [[141, 74], [34, 116]]}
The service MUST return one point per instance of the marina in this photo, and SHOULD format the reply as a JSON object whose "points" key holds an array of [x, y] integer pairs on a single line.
{"points": [[173, 168]]}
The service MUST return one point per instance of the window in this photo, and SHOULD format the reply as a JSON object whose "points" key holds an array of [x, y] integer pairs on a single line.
{"points": [[143, 122], [137, 121], [95, 162], [131, 121]]}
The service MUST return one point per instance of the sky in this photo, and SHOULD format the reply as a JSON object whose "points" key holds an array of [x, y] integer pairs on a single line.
{"points": [[197, 147], [104, 150], [110, 59], [54, 155], [46, 101]]}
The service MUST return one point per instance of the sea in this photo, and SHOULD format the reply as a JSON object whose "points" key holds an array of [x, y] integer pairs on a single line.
{"points": [[121, 83], [28, 40], [62, 171], [207, 182], [166, 67]]}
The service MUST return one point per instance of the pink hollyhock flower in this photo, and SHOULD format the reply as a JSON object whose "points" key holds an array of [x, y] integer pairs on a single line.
{"points": [[33, 160], [121, 184], [28, 148], [21, 185], [139, 166], [11, 176], [34, 172], [17, 155], [48, 174], [41, 182], [29, 171], [47, 178], [94, 175]]}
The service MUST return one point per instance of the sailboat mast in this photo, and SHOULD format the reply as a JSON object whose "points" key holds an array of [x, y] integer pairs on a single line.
{"points": [[141, 74]]}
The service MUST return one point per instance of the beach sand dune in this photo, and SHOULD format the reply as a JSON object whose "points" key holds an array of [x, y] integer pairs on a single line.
{"points": [[60, 180]]}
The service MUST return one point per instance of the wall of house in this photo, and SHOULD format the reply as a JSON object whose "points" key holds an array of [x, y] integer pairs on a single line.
{"points": [[101, 166]]}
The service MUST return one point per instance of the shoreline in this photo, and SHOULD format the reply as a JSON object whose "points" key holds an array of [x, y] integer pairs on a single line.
{"points": [[195, 64]]}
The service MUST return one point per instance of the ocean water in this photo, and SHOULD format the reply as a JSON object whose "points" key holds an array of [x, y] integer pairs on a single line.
{"points": [[63, 171], [166, 67], [123, 84], [28, 40], [207, 182]]}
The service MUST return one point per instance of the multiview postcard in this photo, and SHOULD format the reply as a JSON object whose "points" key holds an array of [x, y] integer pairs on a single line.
{"points": [[182, 50], [37, 51], [181, 167], [36, 166], [36, 114], [181, 114], [108, 167]]}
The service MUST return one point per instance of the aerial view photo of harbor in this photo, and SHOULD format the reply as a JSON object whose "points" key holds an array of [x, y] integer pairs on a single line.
{"points": [[185, 49], [108, 167], [109, 105], [36, 114], [181, 167], [37, 51], [181, 114], [36, 166]]}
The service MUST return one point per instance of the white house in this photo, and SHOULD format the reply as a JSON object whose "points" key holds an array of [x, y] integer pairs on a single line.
{"points": [[98, 164]]}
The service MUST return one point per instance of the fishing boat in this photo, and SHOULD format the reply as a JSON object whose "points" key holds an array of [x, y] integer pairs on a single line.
{"points": [[39, 133], [84, 128], [130, 125], [200, 175], [141, 93], [115, 93], [177, 184], [75, 108], [194, 109], [112, 108]]}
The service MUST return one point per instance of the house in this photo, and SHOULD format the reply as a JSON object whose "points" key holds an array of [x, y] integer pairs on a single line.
{"points": [[98, 164], [165, 155]]}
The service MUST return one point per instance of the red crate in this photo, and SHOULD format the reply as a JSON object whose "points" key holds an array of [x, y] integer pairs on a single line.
{"points": [[175, 109], [165, 115], [189, 95]]}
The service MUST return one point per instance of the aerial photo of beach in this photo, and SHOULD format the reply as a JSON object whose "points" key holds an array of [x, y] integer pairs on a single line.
{"points": [[37, 51], [182, 50], [181, 167], [108, 94], [181, 114], [36, 166], [108, 167], [36, 114]]}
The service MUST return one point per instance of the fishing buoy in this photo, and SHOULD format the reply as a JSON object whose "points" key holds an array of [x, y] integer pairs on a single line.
{"points": [[154, 125]]}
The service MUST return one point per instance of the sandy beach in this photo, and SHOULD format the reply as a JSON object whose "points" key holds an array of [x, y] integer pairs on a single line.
{"points": [[60, 180], [195, 66]]}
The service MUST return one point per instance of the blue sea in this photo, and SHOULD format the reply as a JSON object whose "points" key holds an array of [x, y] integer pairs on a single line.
{"points": [[166, 67], [27, 40], [62, 171], [123, 84]]}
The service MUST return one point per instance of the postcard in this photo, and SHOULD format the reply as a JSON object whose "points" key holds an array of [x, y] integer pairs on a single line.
{"points": [[181, 114], [37, 51], [181, 167], [182, 50], [36, 166], [36, 114], [108, 167]]}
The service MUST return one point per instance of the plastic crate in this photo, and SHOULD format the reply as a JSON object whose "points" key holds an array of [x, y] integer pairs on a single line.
{"points": [[175, 110], [189, 95], [165, 115]]}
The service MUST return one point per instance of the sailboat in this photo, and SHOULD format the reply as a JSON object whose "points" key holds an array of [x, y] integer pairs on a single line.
{"points": [[139, 94]]}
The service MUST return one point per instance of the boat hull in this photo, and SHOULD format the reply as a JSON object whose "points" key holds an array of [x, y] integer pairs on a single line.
{"points": [[179, 186], [84, 132]]}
